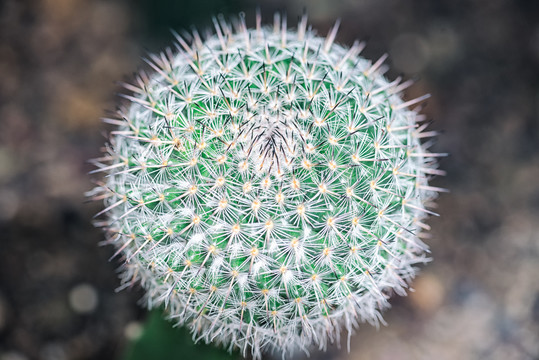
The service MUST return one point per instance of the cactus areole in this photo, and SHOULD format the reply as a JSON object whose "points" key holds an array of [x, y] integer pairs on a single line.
{"points": [[267, 186]]}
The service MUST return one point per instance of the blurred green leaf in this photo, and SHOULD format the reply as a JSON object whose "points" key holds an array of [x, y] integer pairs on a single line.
{"points": [[160, 340], [161, 16]]}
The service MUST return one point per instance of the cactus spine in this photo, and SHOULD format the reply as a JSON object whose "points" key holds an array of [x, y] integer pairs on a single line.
{"points": [[267, 186]]}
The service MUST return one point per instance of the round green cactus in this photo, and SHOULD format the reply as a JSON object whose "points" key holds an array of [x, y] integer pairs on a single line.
{"points": [[267, 186]]}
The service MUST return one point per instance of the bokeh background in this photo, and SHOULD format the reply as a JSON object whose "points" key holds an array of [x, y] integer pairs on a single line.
{"points": [[59, 59]]}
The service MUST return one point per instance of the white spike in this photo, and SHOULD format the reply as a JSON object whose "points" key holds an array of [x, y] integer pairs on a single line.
{"points": [[411, 102], [302, 27], [376, 65], [331, 35]]}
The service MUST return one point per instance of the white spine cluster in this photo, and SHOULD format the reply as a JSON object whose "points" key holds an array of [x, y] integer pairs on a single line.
{"points": [[267, 186]]}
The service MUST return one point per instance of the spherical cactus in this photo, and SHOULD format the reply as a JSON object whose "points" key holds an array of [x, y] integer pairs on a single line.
{"points": [[267, 186]]}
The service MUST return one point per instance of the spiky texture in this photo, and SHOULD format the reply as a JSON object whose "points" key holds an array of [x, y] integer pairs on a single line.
{"points": [[267, 186]]}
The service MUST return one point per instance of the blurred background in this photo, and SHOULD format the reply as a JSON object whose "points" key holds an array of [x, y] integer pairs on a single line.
{"points": [[59, 60]]}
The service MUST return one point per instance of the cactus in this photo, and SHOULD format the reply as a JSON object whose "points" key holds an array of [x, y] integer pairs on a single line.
{"points": [[267, 186]]}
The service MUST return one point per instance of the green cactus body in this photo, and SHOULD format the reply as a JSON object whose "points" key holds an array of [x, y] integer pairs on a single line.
{"points": [[267, 186]]}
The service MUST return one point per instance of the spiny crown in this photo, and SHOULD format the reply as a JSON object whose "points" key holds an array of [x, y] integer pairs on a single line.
{"points": [[267, 186]]}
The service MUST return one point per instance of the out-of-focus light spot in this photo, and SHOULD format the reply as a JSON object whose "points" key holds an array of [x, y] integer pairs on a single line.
{"points": [[53, 351], [12, 355], [410, 53], [133, 330], [443, 43], [429, 293], [83, 298], [9, 203]]}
